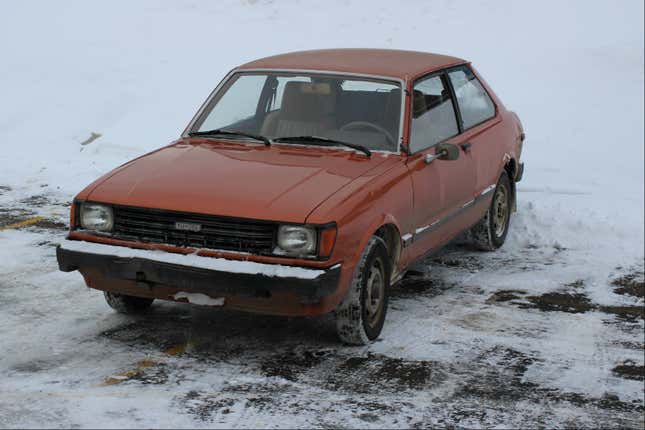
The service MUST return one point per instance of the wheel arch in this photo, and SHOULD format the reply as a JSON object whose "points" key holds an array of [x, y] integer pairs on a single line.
{"points": [[510, 167], [391, 235], [388, 229]]}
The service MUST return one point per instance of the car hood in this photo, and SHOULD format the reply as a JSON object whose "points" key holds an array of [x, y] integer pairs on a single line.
{"points": [[281, 183]]}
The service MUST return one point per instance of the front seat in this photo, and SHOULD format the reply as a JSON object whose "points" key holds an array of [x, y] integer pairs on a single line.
{"points": [[303, 112]]}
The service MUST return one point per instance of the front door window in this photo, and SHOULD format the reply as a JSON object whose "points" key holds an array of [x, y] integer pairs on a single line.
{"points": [[433, 114]]}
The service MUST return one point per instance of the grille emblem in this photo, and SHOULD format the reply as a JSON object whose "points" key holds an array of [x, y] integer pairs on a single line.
{"points": [[188, 226]]}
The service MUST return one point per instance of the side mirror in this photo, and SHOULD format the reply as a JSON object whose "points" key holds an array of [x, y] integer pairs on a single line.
{"points": [[447, 151], [443, 151]]}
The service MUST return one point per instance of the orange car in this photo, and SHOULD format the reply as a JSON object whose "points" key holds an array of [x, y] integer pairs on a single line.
{"points": [[307, 183]]}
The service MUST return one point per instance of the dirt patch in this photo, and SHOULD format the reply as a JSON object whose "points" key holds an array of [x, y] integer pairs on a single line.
{"points": [[561, 302], [505, 296], [264, 396], [205, 406], [9, 216], [412, 285], [630, 313], [631, 284], [470, 263], [262, 388], [50, 224], [630, 370], [156, 374], [291, 365], [353, 374], [505, 382], [502, 381], [608, 401], [417, 283], [378, 372], [38, 200], [12, 216], [630, 345], [373, 411], [579, 283], [577, 303], [35, 366], [154, 330], [92, 138]]}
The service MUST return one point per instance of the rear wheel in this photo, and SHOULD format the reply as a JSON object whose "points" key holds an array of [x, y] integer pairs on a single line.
{"points": [[361, 315], [127, 304], [490, 232]]}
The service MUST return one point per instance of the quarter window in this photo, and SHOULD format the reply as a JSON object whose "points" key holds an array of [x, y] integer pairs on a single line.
{"points": [[475, 105], [433, 114]]}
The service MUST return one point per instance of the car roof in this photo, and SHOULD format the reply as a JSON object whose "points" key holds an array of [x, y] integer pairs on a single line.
{"points": [[381, 62]]}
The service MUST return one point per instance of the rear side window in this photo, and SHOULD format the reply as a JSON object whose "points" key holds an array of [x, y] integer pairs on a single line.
{"points": [[433, 114], [474, 103]]}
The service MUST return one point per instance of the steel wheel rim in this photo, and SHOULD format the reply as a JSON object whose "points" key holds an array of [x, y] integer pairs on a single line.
{"points": [[500, 210], [374, 292]]}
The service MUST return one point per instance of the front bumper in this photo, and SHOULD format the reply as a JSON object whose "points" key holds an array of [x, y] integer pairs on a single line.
{"points": [[150, 274]]}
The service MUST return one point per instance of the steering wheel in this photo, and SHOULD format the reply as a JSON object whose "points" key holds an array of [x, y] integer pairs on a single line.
{"points": [[364, 124]]}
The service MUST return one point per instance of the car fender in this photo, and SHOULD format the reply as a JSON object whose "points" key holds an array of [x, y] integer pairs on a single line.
{"points": [[360, 209], [353, 256], [512, 141], [373, 227]]}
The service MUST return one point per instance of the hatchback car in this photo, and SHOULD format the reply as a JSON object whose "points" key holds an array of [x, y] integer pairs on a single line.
{"points": [[307, 183]]}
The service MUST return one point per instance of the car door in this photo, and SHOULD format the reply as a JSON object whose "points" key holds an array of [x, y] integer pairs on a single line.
{"points": [[477, 113], [441, 188]]}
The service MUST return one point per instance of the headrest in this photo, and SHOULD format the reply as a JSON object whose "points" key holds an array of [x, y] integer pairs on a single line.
{"points": [[306, 100], [419, 106]]}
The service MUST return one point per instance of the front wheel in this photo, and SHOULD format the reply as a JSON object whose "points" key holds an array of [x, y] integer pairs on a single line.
{"points": [[490, 232], [361, 315]]}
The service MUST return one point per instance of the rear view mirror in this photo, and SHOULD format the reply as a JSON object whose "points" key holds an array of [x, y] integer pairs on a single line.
{"points": [[447, 151]]}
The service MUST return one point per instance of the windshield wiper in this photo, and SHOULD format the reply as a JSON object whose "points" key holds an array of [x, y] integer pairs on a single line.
{"points": [[222, 131], [322, 141]]}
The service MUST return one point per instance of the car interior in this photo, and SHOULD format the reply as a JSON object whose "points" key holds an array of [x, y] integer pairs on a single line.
{"points": [[323, 108]]}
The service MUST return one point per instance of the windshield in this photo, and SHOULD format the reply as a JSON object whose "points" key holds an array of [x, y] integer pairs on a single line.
{"points": [[360, 111]]}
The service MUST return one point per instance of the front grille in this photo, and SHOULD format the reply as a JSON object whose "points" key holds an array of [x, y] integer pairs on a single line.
{"points": [[158, 226]]}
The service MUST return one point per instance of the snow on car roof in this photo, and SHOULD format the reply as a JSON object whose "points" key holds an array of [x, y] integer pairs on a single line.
{"points": [[383, 62]]}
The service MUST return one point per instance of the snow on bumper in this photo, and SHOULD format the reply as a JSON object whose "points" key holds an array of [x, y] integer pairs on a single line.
{"points": [[193, 273]]}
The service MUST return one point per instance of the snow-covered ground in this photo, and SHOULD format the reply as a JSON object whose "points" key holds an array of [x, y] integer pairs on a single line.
{"points": [[540, 333]]}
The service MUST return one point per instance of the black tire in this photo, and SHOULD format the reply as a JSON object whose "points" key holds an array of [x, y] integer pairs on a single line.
{"points": [[127, 304], [361, 314], [490, 232]]}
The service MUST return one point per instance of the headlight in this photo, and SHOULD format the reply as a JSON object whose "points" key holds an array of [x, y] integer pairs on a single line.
{"points": [[296, 240], [96, 217]]}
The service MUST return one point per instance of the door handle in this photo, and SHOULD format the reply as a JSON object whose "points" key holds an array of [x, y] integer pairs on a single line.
{"points": [[466, 146]]}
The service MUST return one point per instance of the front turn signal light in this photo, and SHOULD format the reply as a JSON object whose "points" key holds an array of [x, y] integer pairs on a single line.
{"points": [[327, 241]]}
